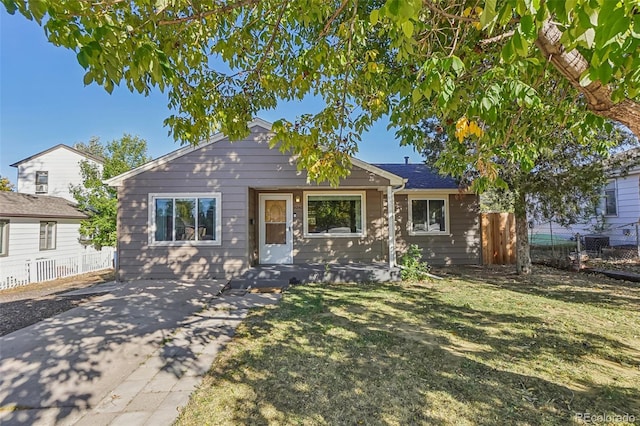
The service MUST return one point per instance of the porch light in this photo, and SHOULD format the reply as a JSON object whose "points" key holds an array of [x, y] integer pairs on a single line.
{"points": [[298, 199]]}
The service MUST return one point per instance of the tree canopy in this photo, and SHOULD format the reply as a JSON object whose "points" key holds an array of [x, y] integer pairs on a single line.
{"points": [[96, 198], [5, 184], [476, 65]]}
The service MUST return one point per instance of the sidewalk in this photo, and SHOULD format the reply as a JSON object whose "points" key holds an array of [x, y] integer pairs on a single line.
{"points": [[129, 357]]}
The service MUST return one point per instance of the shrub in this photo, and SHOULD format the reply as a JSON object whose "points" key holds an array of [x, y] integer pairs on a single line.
{"points": [[413, 267]]}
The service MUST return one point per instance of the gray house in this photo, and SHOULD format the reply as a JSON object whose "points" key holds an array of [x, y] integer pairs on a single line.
{"points": [[218, 209]]}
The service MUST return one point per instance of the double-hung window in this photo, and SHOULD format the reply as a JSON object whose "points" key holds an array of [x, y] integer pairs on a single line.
{"points": [[193, 218], [42, 182], [428, 215], [334, 214], [610, 199], [47, 235], [4, 237]]}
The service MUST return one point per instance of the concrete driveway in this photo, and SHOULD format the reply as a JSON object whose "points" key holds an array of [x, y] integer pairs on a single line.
{"points": [[132, 356]]}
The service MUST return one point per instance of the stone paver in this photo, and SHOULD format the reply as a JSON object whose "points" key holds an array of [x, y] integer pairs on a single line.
{"points": [[130, 357]]}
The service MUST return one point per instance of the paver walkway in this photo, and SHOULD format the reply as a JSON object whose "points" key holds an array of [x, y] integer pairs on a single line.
{"points": [[132, 356]]}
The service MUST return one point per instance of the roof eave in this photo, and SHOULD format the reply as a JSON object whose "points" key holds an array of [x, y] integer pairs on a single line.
{"points": [[53, 148], [394, 180], [117, 181]]}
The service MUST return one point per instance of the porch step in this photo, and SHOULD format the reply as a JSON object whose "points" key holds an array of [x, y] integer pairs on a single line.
{"points": [[282, 276], [261, 285]]}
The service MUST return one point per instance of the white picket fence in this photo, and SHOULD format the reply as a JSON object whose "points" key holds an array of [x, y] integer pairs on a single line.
{"points": [[37, 270]]}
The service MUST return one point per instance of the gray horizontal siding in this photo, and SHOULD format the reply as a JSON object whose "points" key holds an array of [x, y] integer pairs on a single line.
{"points": [[231, 168], [462, 245]]}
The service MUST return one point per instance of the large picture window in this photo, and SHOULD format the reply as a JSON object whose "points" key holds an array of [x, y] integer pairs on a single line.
{"points": [[428, 215], [47, 235], [334, 214], [610, 199], [186, 217]]}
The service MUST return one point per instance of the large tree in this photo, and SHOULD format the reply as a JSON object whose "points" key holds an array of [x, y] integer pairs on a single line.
{"points": [[96, 198], [222, 62], [561, 176]]}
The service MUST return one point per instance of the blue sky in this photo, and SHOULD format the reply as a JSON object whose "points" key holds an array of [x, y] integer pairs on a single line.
{"points": [[43, 102]]}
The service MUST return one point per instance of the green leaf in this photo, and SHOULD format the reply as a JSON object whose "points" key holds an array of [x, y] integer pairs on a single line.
{"points": [[605, 71], [88, 78], [488, 13], [416, 95], [84, 56], [407, 28], [527, 27], [11, 6], [393, 6], [457, 65], [374, 16]]}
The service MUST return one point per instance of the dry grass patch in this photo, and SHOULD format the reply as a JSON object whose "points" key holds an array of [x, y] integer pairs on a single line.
{"points": [[481, 347]]}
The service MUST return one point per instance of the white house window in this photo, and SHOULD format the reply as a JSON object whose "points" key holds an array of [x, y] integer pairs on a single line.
{"points": [[186, 217], [610, 199], [334, 215], [42, 182], [428, 216], [47, 235], [4, 237]]}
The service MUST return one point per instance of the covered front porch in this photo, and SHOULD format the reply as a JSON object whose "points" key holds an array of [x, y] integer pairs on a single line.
{"points": [[311, 227]]}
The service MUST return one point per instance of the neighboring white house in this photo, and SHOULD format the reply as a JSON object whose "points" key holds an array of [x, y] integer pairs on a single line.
{"points": [[51, 172], [39, 225], [617, 214], [39, 240]]}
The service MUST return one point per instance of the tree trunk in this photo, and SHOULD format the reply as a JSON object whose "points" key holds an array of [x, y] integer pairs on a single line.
{"points": [[572, 64], [523, 258]]}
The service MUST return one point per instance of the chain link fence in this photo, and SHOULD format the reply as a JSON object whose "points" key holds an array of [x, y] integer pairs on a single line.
{"points": [[617, 248]]}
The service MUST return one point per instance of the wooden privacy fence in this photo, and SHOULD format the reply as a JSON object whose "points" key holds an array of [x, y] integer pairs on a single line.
{"points": [[498, 238]]}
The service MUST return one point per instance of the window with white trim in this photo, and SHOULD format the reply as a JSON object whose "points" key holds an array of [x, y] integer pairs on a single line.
{"points": [[193, 218], [610, 199], [42, 182], [428, 215], [48, 235], [334, 214], [4, 237]]}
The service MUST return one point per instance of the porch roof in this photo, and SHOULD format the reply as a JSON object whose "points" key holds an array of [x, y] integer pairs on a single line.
{"points": [[419, 176]]}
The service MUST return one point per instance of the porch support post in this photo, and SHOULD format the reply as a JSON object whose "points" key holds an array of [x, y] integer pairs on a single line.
{"points": [[391, 220]]}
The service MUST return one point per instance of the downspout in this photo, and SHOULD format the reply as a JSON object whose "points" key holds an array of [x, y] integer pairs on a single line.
{"points": [[391, 220]]}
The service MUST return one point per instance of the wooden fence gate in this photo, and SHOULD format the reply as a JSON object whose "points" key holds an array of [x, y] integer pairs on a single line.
{"points": [[498, 238]]}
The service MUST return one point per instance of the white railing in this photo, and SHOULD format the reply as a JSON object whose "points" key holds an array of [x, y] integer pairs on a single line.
{"points": [[37, 270]]}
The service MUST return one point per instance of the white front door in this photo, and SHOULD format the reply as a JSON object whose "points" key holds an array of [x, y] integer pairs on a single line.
{"points": [[276, 233]]}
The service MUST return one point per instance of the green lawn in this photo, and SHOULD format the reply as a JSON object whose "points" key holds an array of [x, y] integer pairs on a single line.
{"points": [[482, 347]]}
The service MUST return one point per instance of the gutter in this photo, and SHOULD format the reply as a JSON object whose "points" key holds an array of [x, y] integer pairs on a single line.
{"points": [[391, 220]]}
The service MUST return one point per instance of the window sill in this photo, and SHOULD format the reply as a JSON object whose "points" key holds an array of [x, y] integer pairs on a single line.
{"points": [[184, 243], [428, 233], [316, 236]]}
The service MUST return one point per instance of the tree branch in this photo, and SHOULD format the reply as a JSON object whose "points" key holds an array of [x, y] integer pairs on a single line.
{"points": [[332, 18], [432, 7], [205, 14], [269, 46], [497, 38], [571, 65]]}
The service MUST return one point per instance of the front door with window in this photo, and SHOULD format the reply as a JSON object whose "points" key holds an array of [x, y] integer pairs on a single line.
{"points": [[276, 233]]}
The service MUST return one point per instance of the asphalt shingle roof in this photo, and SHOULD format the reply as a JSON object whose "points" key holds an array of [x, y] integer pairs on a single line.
{"points": [[13, 204], [420, 176]]}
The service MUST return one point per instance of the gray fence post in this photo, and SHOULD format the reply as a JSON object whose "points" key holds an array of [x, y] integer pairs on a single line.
{"points": [[638, 237], [579, 252]]}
